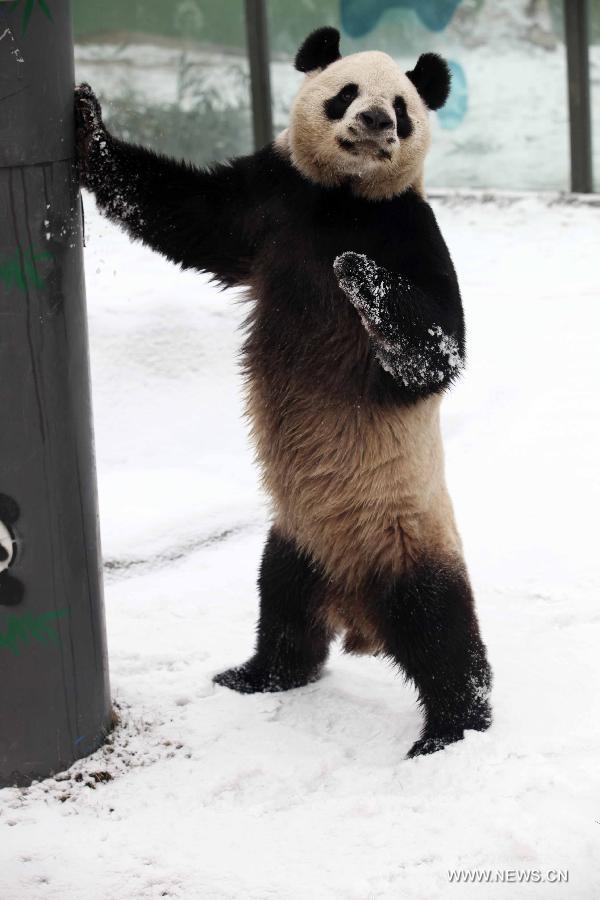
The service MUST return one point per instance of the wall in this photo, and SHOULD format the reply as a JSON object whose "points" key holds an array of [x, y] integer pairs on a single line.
{"points": [[175, 76]]}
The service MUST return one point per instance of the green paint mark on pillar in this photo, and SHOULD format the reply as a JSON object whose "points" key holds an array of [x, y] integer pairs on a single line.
{"points": [[28, 6], [20, 632], [21, 271]]}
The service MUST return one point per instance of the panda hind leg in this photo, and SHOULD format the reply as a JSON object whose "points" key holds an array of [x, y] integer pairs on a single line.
{"points": [[292, 643], [427, 623]]}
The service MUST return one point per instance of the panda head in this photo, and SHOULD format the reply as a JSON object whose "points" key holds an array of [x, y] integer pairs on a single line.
{"points": [[361, 119]]}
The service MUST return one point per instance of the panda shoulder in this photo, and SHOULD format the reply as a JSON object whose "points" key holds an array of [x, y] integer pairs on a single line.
{"points": [[267, 172], [420, 211]]}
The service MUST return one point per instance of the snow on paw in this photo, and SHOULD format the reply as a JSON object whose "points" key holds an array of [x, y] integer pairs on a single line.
{"points": [[363, 282], [431, 744], [91, 137], [88, 111], [251, 679], [238, 679]]}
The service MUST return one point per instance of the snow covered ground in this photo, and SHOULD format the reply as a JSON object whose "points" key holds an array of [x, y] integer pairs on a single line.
{"points": [[203, 794]]}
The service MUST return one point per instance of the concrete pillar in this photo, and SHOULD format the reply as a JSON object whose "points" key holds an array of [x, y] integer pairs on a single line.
{"points": [[54, 689]]}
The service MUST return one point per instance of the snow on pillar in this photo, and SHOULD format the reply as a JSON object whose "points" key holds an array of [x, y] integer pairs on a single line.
{"points": [[54, 690]]}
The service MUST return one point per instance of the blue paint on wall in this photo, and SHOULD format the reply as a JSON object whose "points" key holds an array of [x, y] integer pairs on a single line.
{"points": [[451, 115], [359, 17]]}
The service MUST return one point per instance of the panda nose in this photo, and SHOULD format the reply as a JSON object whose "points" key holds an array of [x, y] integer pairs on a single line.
{"points": [[375, 119]]}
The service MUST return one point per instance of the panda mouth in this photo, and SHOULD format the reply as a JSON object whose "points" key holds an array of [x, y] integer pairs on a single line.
{"points": [[366, 145]]}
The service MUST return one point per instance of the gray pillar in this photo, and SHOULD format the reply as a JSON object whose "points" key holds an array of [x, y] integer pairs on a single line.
{"points": [[54, 690], [260, 82], [580, 120]]}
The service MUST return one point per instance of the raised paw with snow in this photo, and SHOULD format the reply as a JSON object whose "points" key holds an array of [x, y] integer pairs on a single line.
{"points": [[92, 140], [368, 287], [415, 350]]}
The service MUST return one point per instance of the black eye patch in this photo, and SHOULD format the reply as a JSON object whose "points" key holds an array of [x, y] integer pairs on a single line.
{"points": [[336, 107], [403, 124]]}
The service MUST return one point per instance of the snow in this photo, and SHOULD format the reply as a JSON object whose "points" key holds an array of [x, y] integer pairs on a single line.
{"points": [[203, 793]]}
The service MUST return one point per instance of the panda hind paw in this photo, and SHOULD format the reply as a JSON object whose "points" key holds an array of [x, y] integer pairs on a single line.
{"points": [[434, 740], [427, 745], [252, 679]]}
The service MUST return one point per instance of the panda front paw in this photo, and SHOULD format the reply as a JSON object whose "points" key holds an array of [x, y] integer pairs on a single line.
{"points": [[364, 282], [372, 291], [92, 140]]}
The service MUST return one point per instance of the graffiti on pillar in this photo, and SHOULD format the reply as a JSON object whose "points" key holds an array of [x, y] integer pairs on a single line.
{"points": [[13, 79], [27, 7], [11, 589], [7, 36], [86, 744], [24, 631], [21, 270]]}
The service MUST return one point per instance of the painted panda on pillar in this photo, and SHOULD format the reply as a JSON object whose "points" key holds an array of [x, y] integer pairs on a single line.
{"points": [[11, 589], [355, 331]]}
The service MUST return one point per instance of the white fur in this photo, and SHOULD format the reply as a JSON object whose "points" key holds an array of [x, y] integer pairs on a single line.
{"points": [[7, 542]]}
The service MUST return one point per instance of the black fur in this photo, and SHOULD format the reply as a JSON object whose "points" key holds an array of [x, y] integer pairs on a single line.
{"points": [[257, 219], [431, 77], [335, 108], [9, 510], [319, 50], [404, 126], [427, 622], [11, 590], [207, 219], [292, 645]]}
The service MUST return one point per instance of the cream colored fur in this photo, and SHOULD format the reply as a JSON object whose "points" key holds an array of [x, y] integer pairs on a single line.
{"points": [[360, 488]]}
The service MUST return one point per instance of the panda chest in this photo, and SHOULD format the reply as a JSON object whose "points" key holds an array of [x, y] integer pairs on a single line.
{"points": [[302, 311]]}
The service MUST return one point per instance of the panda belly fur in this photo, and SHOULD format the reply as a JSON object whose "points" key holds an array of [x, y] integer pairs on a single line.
{"points": [[359, 488]]}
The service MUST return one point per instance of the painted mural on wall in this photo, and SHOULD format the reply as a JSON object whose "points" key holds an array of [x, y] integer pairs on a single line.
{"points": [[359, 17], [11, 589]]}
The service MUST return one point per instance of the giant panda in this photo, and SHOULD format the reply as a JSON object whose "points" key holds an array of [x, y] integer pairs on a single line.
{"points": [[354, 333]]}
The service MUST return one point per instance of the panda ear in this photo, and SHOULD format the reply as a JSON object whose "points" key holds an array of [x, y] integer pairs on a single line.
{"points": [[431, 77], [320, 48], [9, 510], [11, 590]]}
